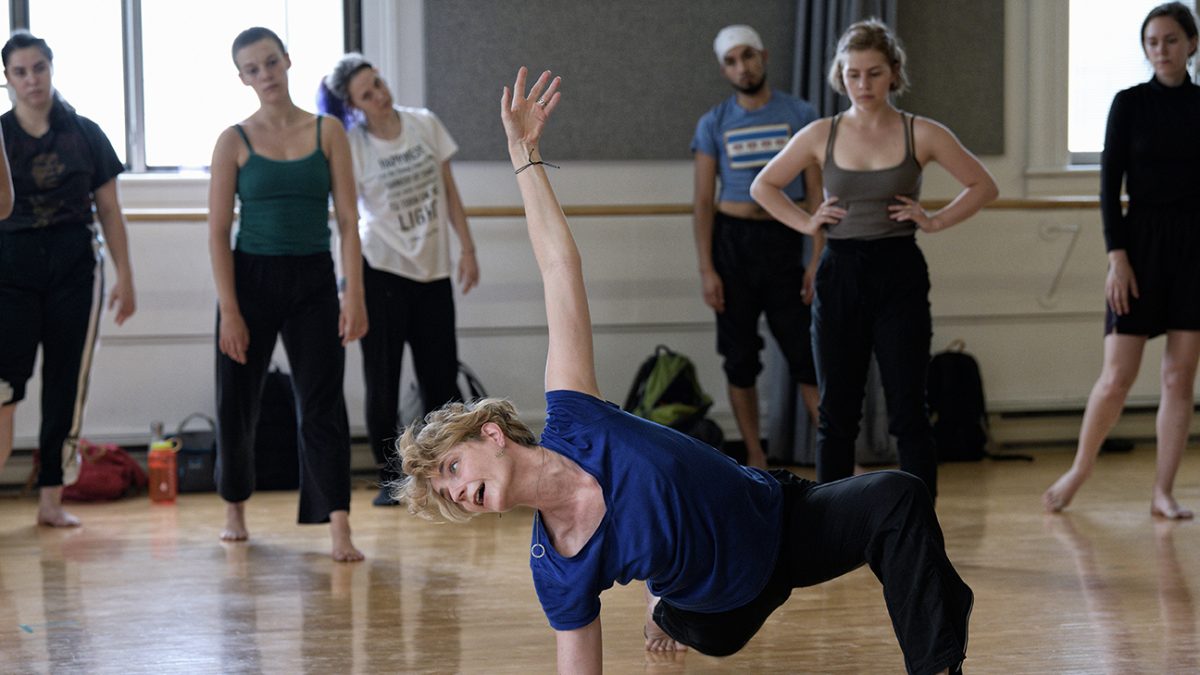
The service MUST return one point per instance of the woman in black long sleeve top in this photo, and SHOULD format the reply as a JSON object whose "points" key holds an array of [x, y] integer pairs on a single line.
{"points": [[1153, 285]]}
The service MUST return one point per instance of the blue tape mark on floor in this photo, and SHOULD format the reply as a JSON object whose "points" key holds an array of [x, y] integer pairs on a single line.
{"points": [[64, 623]]}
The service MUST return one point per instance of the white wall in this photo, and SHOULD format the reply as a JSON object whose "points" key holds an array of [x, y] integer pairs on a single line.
{"points": [[991, 275]]}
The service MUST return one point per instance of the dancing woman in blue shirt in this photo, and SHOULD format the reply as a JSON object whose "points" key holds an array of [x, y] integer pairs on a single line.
{"points": [[618, 498]]}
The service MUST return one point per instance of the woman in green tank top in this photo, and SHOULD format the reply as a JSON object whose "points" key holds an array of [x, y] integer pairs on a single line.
{"points": [[279, 281]]}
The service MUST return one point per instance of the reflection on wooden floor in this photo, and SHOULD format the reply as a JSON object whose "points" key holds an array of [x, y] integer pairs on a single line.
{"points": [[142, 588]]}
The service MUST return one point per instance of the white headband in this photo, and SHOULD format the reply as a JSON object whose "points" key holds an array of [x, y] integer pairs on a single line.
{"points": [[732, 36]]}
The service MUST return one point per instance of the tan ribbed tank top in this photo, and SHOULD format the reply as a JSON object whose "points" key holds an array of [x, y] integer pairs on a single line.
{"points": [[866, 194]]}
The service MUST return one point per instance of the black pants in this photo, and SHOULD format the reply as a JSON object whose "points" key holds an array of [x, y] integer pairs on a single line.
{"points": [[51, 293], [403, 311], [293, 297], [873, 296], [761, 265], [883, 519]]}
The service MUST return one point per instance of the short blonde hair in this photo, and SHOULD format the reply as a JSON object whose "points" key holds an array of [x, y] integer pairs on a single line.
{"points": [[863, 36], [422, 448]]}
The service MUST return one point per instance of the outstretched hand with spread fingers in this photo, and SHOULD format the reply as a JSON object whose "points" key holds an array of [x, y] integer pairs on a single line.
{"points": [[524, 116]]}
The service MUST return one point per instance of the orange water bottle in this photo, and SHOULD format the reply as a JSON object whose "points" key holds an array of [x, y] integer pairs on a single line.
{"points": [[164, 476]]}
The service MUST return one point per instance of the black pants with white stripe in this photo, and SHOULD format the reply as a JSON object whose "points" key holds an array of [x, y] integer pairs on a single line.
{"points": [[295, 298], [51, 291]]}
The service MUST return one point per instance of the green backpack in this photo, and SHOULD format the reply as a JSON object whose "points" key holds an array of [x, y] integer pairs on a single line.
{"points": [[667, 391]]}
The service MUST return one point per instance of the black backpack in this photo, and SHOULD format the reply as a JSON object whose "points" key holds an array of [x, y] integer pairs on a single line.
{"points": [[666, 390], [276, 440], [957, 407]]}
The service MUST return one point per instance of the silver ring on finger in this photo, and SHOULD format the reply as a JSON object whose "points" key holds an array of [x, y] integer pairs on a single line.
{"points": [[541, 102]]}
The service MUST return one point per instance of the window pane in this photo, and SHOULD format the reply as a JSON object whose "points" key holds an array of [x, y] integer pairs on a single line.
{"points": [[85, 36], [192, 90], [1105, 57]]}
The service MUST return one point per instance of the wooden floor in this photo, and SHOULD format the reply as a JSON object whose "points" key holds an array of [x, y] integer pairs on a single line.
{"points": [[148, 588]]}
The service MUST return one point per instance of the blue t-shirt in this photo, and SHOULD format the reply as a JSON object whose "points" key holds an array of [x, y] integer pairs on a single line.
{"points": [[700, 529], [744, 141]]}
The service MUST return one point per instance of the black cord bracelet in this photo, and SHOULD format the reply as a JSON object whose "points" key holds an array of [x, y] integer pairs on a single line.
{"points": [[533, 163]]}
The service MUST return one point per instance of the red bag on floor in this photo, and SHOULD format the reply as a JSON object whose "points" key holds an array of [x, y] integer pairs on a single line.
{"points": [[107, 472]]}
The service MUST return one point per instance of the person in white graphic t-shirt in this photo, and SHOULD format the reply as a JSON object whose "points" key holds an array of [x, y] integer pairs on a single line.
{"points": [[408, 203]]}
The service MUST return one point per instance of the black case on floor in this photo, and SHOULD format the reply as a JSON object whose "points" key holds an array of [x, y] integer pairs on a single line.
{"points": [[276, 449], [197, 454]]}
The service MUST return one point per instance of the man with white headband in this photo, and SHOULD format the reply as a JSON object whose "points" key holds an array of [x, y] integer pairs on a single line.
{"points": [[751, 264]]}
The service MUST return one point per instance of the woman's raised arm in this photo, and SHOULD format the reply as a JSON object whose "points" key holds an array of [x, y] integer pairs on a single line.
{"points": [[569, 359]]}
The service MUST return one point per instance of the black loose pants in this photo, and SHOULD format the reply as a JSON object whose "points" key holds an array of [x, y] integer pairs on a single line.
{"points": [[884, 519], [421, 315], [295, 298], [873, 296]]}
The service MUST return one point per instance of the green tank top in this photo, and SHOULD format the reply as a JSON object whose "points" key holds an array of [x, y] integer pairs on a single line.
{"points": [[284, 203]]}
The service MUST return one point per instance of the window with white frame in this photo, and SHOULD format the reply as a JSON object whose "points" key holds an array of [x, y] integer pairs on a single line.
{"points": [[175, 56], [1106, 56], [190, 100], [85, 37]]}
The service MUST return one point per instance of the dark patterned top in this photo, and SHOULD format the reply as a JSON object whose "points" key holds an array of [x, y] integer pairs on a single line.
{"points": [[55, 176]]}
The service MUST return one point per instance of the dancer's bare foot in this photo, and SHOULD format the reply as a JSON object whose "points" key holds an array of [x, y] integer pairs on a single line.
{"points": [[1165, 506], [662, 660], [657, 639], [1058, 496], [339, 531], [50, 510], [235, 522]]}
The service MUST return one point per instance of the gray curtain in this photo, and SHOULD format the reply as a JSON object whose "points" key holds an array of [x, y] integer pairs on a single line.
{"points": [[791, 435], [819, 24]]}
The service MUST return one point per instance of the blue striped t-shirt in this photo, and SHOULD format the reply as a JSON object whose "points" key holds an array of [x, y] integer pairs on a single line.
{"points": [[743, 141]]}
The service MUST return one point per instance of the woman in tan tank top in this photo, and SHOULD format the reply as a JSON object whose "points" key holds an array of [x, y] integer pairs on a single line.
{"points": [[872, 286]]}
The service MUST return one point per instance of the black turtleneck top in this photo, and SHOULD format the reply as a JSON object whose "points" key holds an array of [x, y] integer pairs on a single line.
{"points": [[1153, 143]]}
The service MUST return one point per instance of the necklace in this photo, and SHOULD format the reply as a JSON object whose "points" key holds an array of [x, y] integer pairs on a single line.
{"points": [[537, 550]]}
